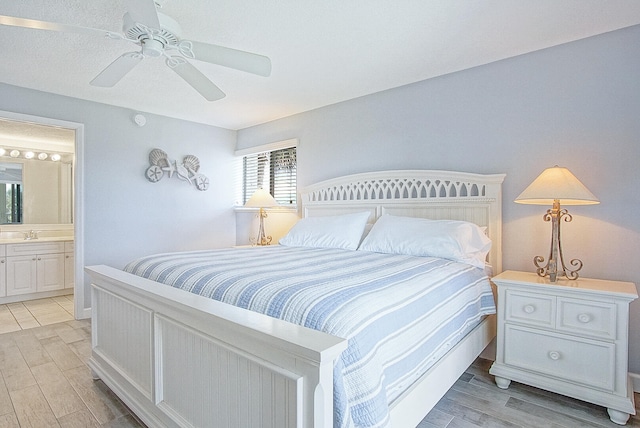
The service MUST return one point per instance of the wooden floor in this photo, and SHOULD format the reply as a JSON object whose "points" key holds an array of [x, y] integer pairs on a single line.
{"points": [[45, 382], [475, 400]]}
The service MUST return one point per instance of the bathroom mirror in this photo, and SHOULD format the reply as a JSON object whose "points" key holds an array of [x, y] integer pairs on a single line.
{"points": [[11, 193], [36, 173]]}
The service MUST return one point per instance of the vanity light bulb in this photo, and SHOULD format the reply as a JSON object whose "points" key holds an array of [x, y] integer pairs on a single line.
{"points": [[14, 153], [2, 152], [43, 156], [29, 155], [55, 157]]}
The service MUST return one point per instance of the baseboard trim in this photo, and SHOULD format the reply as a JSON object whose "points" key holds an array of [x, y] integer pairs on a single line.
{"points": [[635, 379], [86, 313]]}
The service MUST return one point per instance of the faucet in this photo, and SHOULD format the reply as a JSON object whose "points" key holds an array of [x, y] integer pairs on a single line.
{"points": [[32, 234]]}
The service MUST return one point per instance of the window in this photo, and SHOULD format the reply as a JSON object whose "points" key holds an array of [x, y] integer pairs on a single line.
{"points": [[13, 203], [275, 171]]}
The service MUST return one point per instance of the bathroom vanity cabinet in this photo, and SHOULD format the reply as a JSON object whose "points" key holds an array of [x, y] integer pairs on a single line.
{"points": [[35, 269]]}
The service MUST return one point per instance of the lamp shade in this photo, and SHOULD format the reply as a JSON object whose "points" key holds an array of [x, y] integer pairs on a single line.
{"points": [[261, 199], [557, 183]]}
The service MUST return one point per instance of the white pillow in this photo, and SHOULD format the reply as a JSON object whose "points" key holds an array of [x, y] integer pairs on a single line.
{"points": [[339, 231], [448, 239]]}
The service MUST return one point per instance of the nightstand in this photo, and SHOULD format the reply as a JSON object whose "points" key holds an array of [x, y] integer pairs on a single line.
{"points": [[569, 337]]}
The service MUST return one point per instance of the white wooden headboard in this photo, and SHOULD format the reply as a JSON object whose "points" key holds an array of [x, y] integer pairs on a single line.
{"points": [[429, 194]]}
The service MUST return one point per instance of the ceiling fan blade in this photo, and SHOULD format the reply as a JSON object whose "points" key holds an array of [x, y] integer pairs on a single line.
{"points": [[228, 57], [143, 12], [53, 26], [117, 70], [195, 78]]}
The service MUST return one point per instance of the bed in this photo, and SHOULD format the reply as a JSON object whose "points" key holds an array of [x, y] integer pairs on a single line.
{"points": [[176, 358]]}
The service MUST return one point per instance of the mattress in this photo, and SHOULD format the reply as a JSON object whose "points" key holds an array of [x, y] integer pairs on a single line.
{"points": [[400, 314]]}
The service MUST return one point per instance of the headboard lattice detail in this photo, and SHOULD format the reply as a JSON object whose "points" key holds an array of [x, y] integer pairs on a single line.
{"points": [[398, 188]]}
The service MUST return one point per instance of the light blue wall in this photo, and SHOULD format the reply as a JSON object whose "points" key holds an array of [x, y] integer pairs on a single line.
{"points": [[127, 216], [576, 105]]}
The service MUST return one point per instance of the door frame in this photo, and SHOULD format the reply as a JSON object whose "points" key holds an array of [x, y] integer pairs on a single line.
{"points": [[80, 312]]}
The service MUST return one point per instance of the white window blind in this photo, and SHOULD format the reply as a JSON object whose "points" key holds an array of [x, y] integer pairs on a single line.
{"points": [[275, 171]]}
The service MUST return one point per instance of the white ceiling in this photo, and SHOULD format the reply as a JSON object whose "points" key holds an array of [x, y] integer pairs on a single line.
{"points": [[24, 135], [322, 52]]}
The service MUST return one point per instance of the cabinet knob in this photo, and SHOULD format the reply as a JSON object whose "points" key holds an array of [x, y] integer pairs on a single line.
{"points": [[34, 259], [529, 309], [39, 258], [554, 355], [584, 318]]}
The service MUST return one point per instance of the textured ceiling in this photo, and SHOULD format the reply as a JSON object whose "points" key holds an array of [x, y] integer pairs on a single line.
{"points": [[322, 52], [24, 135]]}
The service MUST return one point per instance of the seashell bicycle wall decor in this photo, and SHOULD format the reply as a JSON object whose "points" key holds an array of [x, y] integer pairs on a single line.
{"points": [[186, 171]]}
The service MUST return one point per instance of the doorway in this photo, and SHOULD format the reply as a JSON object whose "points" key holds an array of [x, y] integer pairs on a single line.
{"points": [[81, 308]]}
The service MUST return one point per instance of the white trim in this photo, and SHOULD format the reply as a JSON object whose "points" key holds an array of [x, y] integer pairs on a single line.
{"points": [[78, 211], [79, 310], [635, 380], [278, 145], [243, 209]]}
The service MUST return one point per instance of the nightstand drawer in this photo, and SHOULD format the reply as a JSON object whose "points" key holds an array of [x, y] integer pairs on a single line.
{"points": [[587, 317], [530, 309], [582, 361]]}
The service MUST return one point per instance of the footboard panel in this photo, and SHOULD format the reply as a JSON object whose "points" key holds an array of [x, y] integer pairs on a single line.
{"points": [[122, 337], [241, 390], [181, 360]]}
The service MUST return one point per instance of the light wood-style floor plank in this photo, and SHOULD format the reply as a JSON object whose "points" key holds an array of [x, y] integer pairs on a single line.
{"points": [[62, 398], [80, 419], [61, 354], [9, 421], [32, 409], [6, 407]]}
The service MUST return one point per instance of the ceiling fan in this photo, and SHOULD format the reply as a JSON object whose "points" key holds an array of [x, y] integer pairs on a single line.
{"points": [[158, 35]]}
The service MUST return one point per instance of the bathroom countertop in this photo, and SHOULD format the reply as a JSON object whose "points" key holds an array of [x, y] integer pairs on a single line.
{"points": [[42, 239]]}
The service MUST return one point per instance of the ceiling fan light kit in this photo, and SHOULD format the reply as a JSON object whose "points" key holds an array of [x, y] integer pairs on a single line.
{"points": [[159, 35]]}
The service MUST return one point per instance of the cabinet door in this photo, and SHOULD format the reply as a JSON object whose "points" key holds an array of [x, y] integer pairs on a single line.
{"points": [[21, 275], [3, 276], [50, 272], [69, 270]]}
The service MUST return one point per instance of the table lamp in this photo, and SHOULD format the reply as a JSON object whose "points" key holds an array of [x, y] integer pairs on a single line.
{"points": [[262, 199], [554, 185]]}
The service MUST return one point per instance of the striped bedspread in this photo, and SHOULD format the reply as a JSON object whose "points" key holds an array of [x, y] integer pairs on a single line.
{"points": [[400, 314]]}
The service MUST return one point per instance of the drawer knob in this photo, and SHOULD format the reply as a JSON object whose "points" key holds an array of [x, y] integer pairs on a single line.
{"points": [[554, 355], [584, 318], [529, 309]]}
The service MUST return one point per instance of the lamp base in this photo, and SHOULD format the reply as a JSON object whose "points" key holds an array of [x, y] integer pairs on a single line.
{"points": [[265, 240], [554, 215], [262, 238]]}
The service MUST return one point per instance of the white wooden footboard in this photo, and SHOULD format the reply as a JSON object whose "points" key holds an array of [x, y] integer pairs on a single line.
{"points": [[179, 359]]}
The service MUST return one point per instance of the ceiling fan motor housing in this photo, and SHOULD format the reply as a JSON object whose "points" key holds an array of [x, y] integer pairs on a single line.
{"points": [[153, 40]]}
